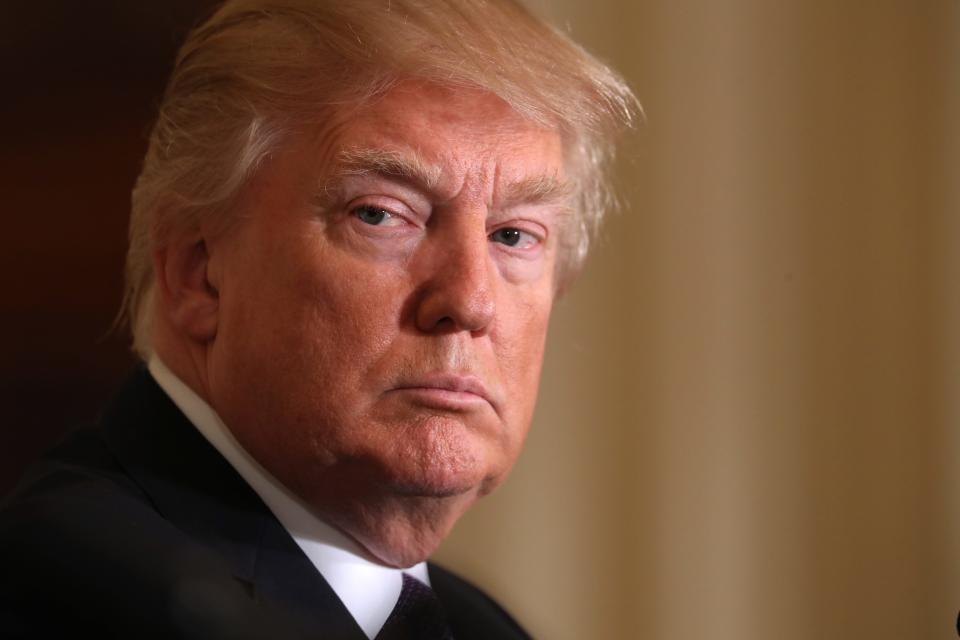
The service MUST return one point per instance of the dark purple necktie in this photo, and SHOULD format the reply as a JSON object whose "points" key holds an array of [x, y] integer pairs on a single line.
{"points": [[418, 615]]}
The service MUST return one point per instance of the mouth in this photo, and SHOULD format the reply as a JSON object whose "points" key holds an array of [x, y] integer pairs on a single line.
{"points": [[447, 391]]}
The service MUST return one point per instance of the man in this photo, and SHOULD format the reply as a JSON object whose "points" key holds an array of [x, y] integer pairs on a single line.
{"points": [[346, 240]]}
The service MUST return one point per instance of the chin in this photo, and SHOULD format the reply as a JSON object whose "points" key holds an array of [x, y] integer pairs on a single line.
{"points": [[435, 486], [401, 525], [442, 460], [401, 550], [437, 476], [410, 528]]}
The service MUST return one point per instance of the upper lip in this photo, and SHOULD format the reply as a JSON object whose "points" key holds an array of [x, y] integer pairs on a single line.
{"points": [[463, 383]]}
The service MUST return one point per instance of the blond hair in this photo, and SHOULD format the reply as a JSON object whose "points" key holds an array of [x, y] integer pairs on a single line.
{"points": [[259, 71]]}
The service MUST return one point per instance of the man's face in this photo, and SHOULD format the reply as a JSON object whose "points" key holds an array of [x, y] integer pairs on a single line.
{"points": [[384, 300]]}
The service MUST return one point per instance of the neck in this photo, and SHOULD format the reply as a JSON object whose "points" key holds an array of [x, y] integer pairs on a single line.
{"points": [[186, 361]]}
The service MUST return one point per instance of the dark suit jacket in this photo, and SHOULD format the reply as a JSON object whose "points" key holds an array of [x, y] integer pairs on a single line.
{"points": [[141, 529]]}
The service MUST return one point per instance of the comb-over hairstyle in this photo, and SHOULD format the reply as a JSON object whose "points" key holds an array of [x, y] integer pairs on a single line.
{"points": [[259, 72]]}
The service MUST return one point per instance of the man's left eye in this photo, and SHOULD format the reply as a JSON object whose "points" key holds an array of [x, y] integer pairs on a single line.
{"points": [[376, 216], [513, 237]]}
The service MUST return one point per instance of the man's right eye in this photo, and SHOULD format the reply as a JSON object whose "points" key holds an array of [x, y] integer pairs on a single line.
{"points": [[375, 215]]}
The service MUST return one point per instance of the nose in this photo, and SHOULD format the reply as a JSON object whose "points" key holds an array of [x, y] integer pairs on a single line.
{"points": [[458, 293]]}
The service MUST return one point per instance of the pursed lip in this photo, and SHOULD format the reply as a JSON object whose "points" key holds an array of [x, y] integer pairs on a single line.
{"points": [[448, 390]]}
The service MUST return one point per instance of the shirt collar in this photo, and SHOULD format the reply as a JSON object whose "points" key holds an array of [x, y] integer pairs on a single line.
{"points": [[368, 589]]}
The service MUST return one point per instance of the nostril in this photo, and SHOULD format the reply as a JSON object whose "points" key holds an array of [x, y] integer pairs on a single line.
{"points": [[454, 309], [457, 292], [445, 322]]}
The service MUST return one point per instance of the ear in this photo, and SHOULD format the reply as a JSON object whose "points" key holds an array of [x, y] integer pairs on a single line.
{"points": [[188, 299]]}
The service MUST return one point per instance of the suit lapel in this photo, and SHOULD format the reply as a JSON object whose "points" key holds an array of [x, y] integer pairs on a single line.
{"points": [[284, 574], [191, 485]]}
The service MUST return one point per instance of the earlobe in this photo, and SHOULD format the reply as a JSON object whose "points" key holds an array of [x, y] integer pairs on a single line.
{"points": [[188, 298]]}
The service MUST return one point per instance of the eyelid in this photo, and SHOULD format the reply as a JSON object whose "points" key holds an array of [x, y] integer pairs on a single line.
{"points": [[535, 229], [536, 232], [382, 190], [531, 242], [390, 219], [392, 206]]}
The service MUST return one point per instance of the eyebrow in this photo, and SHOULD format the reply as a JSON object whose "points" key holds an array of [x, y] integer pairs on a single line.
{"points": [[410, 166], [407, 166], [543, 189]]}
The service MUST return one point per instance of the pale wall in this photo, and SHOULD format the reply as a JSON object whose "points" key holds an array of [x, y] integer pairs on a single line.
{"points": [[749, 420]]}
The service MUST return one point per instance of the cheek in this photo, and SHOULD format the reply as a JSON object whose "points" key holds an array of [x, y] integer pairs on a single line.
{"points": [[311, 324], [522, 339], [344, 321], [302, 356]]}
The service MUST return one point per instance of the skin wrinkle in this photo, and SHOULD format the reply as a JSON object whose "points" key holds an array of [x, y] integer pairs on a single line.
{"points": [[323, 321], [411, 168], [407, 165], [280, 74]]}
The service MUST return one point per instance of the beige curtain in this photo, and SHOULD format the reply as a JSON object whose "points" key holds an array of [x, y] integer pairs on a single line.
{"points": [[749, 423]]}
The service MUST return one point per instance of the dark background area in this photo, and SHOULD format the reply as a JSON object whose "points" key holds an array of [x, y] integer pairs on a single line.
{"points": [[81, 81]]}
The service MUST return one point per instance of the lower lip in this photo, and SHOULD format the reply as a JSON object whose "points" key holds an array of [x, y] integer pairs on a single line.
{"points": [[443, 398]]}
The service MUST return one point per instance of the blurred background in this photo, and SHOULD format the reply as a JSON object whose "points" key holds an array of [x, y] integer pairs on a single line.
{"points": [[748, 422]]}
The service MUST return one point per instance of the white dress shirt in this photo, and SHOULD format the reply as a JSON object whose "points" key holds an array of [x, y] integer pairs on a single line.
{"points": [[369, 590]]}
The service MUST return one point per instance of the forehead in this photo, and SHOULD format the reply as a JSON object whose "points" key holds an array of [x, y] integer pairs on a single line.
{"points": [[453, 134]]}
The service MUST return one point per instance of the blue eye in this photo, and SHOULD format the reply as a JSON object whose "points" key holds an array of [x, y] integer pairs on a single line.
{"points": [[513, 237], [372, 215]]}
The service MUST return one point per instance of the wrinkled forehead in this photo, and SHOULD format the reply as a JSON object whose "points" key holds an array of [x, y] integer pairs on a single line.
{"points": [[448, 139]]}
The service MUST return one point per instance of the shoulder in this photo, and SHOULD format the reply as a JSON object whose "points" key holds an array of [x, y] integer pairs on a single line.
{"points": [[473, 613], [86, 548], [68, 515], [81, 545], [77, 484]]}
